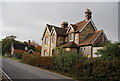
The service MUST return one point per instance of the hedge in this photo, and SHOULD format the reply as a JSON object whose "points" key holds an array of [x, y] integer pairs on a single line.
{"points": [[79, 68], [37, 60], [17, 55]]}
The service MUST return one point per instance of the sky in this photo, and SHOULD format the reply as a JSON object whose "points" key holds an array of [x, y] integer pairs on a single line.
{"points": [[27, 20]]}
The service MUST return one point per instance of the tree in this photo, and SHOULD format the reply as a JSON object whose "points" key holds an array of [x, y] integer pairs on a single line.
{"points": [[110, 52], [6, 43]]}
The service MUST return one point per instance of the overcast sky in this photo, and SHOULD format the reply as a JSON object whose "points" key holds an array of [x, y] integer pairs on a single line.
{"points": [[27, 20]]}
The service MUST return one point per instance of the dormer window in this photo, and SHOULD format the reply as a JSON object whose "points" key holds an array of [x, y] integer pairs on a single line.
{"points": [[71, 37]]}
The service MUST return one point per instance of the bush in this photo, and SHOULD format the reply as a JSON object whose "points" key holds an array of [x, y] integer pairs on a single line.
{"points": [[110, 52], [63, 62], [46, 62], [17, 55], [77, 66], [37, 60], [93, 69]]}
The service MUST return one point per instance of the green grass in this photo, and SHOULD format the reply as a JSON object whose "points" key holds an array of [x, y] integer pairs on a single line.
{"points": [[9, 57], [2, 56]]}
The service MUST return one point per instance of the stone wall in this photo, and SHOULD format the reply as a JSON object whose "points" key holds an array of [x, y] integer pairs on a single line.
{"points": [[71, 50], [101, 39], [87, 30], [53, 44], [46, 46], [77, 38], [60, 39], [86, 50]]}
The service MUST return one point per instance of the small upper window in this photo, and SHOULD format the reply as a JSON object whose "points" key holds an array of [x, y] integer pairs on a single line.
{"points": [[71, 36], [46, 40]]}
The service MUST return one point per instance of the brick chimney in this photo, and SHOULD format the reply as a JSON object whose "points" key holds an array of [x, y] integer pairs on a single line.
{"points": [[88, 14], [64, 24]]}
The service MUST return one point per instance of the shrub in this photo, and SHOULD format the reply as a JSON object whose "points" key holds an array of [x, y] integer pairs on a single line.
{"points": [[63, 62], [27, 58], [37, 60], [110, 52], [77, 66], [93, 69], [45, 62], [17, 55]]}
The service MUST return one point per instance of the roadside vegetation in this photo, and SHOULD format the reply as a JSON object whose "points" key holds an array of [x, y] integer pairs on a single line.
{"points": [[77, 66]]}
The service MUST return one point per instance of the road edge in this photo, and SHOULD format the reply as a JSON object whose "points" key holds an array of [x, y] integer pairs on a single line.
{"points": [[9, 79]]}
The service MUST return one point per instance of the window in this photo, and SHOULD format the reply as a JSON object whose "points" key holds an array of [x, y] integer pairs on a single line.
{"points": [[53, 38], [45, 53], [53, 52], [84, 48], [46, 40], [71, 36]]}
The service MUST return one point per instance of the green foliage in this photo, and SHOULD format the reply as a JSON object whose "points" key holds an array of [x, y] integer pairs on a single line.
{"points": [[76, 66], [6, 43], [59, 50], [110, 52], [94, 69], [64, 61], [17, 55]]}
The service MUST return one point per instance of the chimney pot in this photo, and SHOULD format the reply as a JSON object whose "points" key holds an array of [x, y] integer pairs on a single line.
{"points": [[88, 14]]}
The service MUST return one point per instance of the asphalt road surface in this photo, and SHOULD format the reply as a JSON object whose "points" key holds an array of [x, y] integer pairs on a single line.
{"points": [[23, 72]]}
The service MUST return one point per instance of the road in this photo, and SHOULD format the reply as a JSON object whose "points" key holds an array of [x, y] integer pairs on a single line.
{"points": [[22, 72]]}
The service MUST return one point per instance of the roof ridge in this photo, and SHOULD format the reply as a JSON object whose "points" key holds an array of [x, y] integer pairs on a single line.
{"points": [[52, 25], [98, 31], [79, 22]]}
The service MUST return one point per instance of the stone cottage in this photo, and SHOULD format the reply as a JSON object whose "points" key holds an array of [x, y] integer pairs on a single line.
{"points": [[80, 37]]}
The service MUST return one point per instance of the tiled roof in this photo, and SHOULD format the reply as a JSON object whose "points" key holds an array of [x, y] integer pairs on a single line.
{"points": [[60, 31], [80, 25], [91, 37], [74, 27], [50, 27], [19, 46], [70, 45]]}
